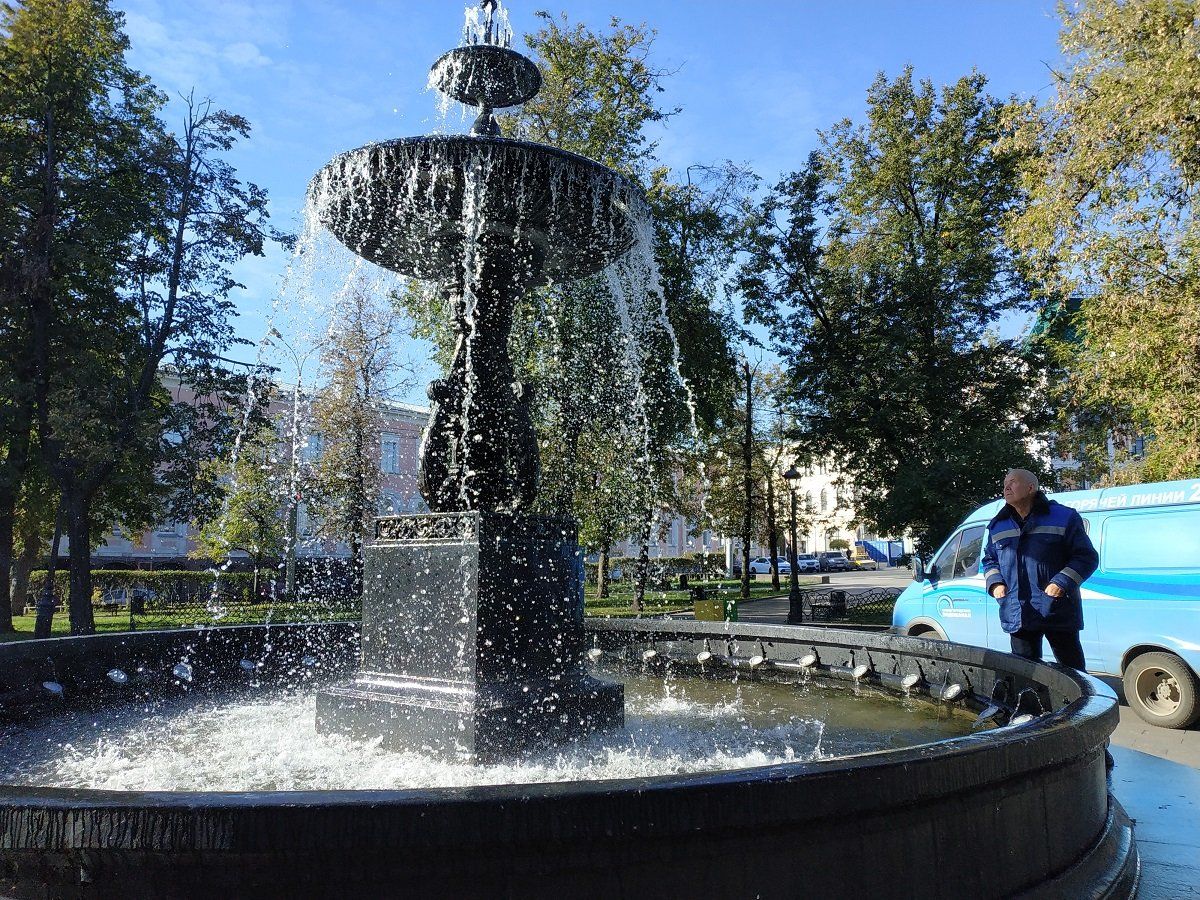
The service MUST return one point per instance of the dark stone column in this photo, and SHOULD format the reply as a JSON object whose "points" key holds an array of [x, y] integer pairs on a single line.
{"points": [[480, 450], [472, 639]]}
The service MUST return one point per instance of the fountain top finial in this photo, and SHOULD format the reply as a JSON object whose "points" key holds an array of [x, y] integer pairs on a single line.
{"points": [[485, 71]]}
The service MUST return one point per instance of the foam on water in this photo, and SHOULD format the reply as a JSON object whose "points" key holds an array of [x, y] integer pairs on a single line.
{"points": [[267, 741]]}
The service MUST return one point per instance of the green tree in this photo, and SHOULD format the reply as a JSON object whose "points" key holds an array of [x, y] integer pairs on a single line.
{"points": [[73, 121], [106, 417], [599, 100], [253, 483], [881, 270], [598, 93], [1112, 174], [361, 373]]}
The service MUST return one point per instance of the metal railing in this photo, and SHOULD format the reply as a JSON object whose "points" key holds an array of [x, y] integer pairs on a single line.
{"points": [[869, 606]]}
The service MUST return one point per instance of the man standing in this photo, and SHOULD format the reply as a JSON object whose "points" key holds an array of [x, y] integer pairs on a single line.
{"points": [[1037, 555]]}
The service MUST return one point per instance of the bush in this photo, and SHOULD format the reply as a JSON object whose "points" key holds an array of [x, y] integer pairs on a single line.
{"points": [[166, 586], [662, 570]]}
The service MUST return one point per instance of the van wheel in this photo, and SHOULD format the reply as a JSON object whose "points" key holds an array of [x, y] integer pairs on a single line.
{"points": [[928, 634], [1162, 690]]}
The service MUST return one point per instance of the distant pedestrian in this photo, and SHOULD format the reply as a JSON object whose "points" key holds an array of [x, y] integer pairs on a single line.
{"points": [[1037, 555]]}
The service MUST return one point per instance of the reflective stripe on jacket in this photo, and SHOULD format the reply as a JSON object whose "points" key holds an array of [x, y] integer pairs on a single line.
{"points": [[1051, 547]]}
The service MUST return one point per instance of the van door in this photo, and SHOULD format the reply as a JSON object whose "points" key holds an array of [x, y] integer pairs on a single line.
{"points": [[956, 600], [1147, 587]]}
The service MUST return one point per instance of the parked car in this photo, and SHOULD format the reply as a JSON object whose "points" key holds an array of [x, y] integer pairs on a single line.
{"points": [[865, 563], [832, 561], [807, 562], [762, 566]]}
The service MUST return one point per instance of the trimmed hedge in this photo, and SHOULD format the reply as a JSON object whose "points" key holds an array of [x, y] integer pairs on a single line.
{"points": [[173, 587], [662, 570]]}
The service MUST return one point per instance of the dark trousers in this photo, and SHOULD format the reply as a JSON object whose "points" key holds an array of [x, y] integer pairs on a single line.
{"points": [[1065, 644]]}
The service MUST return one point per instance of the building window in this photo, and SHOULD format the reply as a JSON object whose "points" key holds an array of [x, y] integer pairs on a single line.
{"points": [[390, 504], [824, 500], [389, 456], [314, 446], [305, 523]]}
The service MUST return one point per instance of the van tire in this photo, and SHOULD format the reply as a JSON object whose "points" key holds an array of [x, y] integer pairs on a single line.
{"points": [[1161, 689]]}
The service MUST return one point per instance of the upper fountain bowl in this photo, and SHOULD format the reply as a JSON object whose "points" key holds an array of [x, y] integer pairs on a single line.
{"points": [[414, 205], [486, 75]]}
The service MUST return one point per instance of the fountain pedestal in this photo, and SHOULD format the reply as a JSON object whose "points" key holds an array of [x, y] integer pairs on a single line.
{"points": [[472, 639]]}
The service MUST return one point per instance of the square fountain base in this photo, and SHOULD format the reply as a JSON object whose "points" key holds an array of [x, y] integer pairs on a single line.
{"points": [[487, 723], [472, 640]]}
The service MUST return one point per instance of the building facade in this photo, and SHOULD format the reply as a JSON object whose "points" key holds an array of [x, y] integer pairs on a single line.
{"points": [[825, 519], [397, 448]]}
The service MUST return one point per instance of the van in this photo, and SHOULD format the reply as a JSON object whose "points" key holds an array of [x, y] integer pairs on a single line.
{"points": [[1141, 608]]}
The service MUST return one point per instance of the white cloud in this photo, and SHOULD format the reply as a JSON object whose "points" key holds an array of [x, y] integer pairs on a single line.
{"points": [[244, 53]]}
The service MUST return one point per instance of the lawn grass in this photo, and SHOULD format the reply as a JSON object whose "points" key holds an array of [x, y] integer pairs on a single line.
{"points": [[257, 614], [620, 600], [618, 604]]}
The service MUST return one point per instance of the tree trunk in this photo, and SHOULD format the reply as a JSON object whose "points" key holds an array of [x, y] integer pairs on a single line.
{"points": [[602, 573], [45, 609], [22, 570], [772, 532], [643, 565], [8, 601], [748, 480], [79, 533], [359, 566]]}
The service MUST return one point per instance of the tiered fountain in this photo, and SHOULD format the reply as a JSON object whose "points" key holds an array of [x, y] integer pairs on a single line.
{"points": [[473, 614], [154, 764]]}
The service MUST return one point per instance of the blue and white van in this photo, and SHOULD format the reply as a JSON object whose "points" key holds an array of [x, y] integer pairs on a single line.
{"points": [[1141, 608]]}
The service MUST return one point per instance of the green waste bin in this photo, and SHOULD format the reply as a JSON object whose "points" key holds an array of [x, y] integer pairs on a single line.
{"points": [[708, 608]]}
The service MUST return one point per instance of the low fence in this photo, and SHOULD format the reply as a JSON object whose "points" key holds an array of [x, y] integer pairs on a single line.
{"points": [[870, 606]]}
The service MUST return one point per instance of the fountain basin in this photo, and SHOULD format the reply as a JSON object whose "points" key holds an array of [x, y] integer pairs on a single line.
{"points": [[412, 205], [996, 813]]}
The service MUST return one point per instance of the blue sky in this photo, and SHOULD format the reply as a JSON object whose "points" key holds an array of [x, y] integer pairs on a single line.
{"points": [[756, 79]]}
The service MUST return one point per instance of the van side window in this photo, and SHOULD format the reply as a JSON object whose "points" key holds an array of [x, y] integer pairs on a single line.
{"points": [[1163, 541], [966, 562], [945, 560]]}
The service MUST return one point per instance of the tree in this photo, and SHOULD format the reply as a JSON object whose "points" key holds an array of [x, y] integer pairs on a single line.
{"points": [[598, 93], [358, 354], [1112, 224], [106, 417], [33, 523], [880, 268], [745, 456], [73, 125], [253, 489]]}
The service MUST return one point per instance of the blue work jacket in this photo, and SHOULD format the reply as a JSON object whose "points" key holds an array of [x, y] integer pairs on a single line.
{"points": [[1051, 546]]}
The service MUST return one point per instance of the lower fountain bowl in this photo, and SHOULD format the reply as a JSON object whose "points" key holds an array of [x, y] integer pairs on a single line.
{"points": [[1021, 810]]}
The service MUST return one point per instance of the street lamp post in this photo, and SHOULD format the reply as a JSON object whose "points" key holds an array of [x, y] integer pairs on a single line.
{"points": [[795, 603]]}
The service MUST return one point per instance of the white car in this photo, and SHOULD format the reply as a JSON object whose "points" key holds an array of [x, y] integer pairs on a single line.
{"points": [[762, 566], [807, 562]]}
